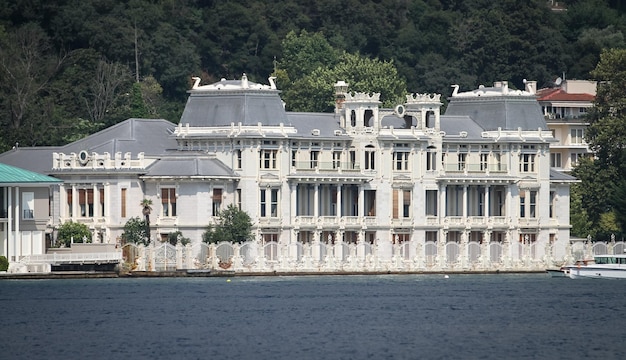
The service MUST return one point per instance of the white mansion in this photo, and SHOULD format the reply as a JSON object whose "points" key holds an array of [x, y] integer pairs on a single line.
{"points": [[363, 188]]}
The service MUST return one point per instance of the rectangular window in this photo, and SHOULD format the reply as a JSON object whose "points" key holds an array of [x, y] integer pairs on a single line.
{"points": [[497, 161], [552, 204], [369, 159], [406, 204], [555, 160], [269, 203], [461, 157], [352, 160], [268, 159], [484, 160], [528, 204], [168, 201], [431, 202], [401, 204], [431, 160], [217, 201], [532, 204], [498, 202], [527, 163], [336, 159], [123, 203], [238, 159], [401, 161], [85, 201], [370, 202], [314, 156], [101, 191], [238, 198], [70, 208], [28, 205], [577, 135], [293, 158]]}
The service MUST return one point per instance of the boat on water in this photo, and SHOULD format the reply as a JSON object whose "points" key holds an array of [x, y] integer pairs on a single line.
{"points": [[602, 266], [560, 272]]}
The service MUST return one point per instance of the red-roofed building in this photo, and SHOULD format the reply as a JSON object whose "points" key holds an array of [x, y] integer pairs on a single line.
{"points": [[565, 108]]}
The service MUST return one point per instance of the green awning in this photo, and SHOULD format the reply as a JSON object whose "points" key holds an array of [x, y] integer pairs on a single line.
{"points": [[11, 175]]}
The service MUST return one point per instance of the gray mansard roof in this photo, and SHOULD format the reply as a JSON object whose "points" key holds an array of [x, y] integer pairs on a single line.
{"points": [[150, 136], [185, 166], [455, 125], [306, 123], [232, 102], [498, 107]]}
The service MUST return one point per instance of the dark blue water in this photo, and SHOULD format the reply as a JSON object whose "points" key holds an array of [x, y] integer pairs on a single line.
{"points": [[326, 317]]}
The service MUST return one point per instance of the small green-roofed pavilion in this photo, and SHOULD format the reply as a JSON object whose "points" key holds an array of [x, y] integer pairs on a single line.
{"points": [[11, 175]]}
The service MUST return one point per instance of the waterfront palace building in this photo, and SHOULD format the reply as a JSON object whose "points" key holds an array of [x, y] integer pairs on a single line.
{"points": [[403, 186]]}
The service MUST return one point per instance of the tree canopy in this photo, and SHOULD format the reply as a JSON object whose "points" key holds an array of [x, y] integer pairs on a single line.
{"points": [[67, 67], [73, 232], [602, 186], [232, 225]]}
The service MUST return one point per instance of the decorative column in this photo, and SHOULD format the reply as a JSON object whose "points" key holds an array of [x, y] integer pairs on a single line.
{"points": [[464, 210], [442, 202], [339, 205], [361, 207], [316, 201], [62, 200], [487, 205], [17, 237], [96, 203], [74, 202], [293, 196]]}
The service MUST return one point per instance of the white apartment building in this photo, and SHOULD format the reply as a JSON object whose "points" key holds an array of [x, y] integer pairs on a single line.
{"points": [[406, 186], [564, 108]]}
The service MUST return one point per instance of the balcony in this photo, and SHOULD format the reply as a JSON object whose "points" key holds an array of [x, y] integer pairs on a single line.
{"points": [[528, 222], [166, 221], [402, 222], [269, 221], [474, 168], [326, 166]]}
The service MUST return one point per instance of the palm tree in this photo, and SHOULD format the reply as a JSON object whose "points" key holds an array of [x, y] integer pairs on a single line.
{"points": [[146, 205]]}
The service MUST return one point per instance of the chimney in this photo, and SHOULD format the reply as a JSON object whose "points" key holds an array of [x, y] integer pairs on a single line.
{"points": [[341, 89]]}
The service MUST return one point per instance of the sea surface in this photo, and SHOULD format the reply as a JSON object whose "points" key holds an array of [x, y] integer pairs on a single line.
{"points": [[500, 316]]}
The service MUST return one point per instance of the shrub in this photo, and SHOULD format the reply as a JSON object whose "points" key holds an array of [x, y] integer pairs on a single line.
{"points": [[73, 232], [4, 263]]}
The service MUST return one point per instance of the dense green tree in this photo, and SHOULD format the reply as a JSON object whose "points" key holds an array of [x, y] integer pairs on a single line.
{"points": [[232, 225], [303, 53], [431, 43], [27, 65], [607, 130], [138, 108], [73, 232], [315, 92], [602, 176], [135, 231]]}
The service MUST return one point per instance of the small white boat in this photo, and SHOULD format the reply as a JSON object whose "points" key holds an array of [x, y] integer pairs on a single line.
{"points": [[602, 266]]}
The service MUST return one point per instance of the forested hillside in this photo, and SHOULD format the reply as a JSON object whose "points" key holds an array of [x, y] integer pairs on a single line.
{"points": [[71, 67]]}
